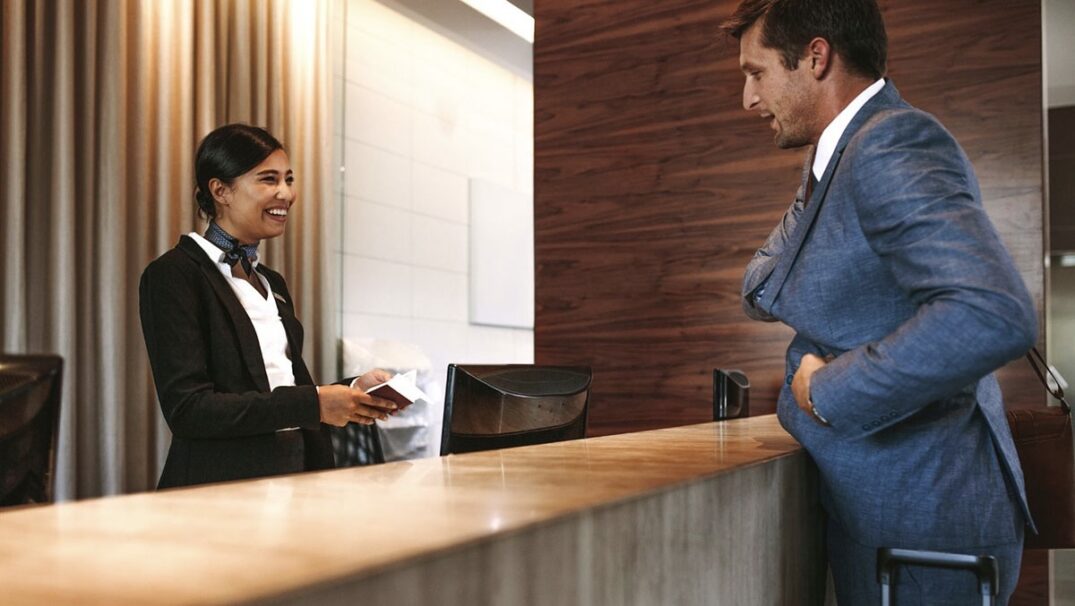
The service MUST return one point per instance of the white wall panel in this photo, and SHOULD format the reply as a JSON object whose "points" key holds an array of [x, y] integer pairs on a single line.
{"points": [[501, 256], [418, 116]]}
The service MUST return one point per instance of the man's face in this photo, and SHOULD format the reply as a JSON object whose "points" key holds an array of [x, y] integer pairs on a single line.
{"points": [[779, 95]]}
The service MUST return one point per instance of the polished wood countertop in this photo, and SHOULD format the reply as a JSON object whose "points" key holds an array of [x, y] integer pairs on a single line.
{"points": [[256, 539]]}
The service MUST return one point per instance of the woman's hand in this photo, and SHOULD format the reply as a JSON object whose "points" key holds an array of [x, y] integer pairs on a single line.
{"points": [[373, 377], [341, 405]]}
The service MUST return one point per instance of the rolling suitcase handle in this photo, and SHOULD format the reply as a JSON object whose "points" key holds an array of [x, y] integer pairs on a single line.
{"points": [[984, 566]]}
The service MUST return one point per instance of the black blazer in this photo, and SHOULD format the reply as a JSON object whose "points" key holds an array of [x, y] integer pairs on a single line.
{"points": [[211, 379]]}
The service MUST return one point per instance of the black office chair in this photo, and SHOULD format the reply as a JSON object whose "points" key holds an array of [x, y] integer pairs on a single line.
{"points": [[355, 444], [489, 407], [29, 423]]}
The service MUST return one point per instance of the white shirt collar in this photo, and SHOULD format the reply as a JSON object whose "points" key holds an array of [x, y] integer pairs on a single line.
{"points": [[826, 145]]}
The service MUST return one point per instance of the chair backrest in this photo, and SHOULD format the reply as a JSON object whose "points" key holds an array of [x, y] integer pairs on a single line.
{"points": [[29, 420], [355, 444], [488, 407]]}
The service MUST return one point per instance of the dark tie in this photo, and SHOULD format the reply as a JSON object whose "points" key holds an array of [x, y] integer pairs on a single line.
{"points": [[810, 187]]}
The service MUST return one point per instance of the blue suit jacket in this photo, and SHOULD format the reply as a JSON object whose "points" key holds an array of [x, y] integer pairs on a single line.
{"points": [[894, 268]]}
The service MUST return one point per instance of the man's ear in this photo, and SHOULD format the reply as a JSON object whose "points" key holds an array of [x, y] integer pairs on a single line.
{"points": [[818, 57]]}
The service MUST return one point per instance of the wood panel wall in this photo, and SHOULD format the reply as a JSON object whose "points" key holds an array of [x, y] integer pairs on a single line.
{"points": [[653, 186]]}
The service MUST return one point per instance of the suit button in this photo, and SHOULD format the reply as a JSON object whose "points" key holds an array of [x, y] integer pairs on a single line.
{"points": [[866, 428], [788, 379]]}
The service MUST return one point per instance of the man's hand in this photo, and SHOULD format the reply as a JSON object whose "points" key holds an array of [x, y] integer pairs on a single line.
{"points": [[800, 384]]}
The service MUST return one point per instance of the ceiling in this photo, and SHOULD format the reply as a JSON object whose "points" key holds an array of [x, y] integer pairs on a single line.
{"points": [[474, 30], [525, 5]]}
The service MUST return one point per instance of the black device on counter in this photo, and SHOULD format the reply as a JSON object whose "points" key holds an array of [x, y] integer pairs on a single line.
{"points": [[731, 394]]}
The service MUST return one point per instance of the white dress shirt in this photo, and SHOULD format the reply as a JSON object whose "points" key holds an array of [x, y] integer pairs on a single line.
{"points": [[263, 313], [826, 145]]}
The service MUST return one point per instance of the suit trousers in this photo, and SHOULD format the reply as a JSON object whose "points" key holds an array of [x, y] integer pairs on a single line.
{"points": [[854, 573]]}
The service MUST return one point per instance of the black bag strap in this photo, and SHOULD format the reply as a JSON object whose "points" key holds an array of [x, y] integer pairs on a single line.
{"points": [[1037, 362]]}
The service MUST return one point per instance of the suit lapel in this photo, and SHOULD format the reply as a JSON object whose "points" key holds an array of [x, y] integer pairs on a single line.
{"points": [[292, 327], [287, 316], [290, 322], [802, 229], [244, 329], [887, 97]]}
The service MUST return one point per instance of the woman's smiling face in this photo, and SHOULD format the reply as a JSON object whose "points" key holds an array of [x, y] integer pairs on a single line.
{"points": [[256, 204]]}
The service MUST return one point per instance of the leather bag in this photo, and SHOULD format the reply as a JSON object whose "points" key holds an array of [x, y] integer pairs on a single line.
{"points": [[1044, 442]]}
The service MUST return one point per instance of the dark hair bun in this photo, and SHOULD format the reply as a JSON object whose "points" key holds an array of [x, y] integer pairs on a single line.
{"points": [[205, 203], [227, 153]]}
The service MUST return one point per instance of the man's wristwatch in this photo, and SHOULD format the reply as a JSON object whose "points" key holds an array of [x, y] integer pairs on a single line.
{"points": [[817, 415]]}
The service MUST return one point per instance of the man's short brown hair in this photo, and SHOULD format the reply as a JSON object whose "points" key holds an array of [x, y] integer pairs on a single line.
{"points": [[854, 29]]}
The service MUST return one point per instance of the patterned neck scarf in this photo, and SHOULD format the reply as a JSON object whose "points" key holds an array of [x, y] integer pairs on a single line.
{"points": [[233, 251]]}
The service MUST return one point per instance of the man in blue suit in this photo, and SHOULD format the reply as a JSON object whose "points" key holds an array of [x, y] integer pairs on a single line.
{"points": [[903, 299]]}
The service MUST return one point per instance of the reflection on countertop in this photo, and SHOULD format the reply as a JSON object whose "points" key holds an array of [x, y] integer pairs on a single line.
{"points": [[260, 538]]}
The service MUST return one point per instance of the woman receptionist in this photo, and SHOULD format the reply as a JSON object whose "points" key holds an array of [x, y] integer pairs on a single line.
{"points": [[223, 340]]}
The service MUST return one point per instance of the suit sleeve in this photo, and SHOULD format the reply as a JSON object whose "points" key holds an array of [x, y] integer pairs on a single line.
{"points": [[920, 210], [173, 323], [765, 259]]}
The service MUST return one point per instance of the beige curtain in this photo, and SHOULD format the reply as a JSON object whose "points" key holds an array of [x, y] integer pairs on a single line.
{"points": [[101, 107]]}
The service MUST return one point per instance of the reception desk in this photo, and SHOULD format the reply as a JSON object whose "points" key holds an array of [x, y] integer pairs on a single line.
{"points": [[719, 513]]}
